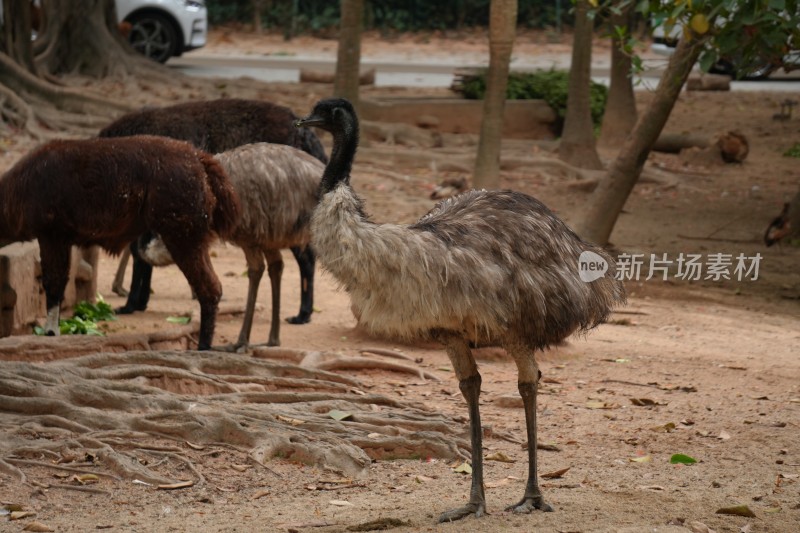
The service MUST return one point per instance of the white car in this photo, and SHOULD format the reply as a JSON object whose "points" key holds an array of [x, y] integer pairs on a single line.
{"points": [[161, 29]]}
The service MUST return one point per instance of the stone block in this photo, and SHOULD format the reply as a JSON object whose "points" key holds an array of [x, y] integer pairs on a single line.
{"points": [[22, 298]]}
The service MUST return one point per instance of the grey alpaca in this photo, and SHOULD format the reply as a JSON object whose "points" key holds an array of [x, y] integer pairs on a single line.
{"points": [[488, 267], [278, 188]]}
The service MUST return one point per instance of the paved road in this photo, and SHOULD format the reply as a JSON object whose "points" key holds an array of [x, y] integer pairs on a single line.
{"points": [[417, 74]]}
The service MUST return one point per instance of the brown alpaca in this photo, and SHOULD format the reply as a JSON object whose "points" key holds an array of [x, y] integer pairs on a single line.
{"points": [[107, 192]]}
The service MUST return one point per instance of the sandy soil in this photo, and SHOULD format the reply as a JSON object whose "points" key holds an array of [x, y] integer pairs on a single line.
{"points": [[714, 363]]}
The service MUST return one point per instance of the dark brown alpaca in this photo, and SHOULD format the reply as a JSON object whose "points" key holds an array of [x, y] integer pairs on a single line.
{"points": [[107, 192], [218, 126]]}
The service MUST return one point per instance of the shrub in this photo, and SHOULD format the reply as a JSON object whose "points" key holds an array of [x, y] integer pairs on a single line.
{"points": [[547, 85]]}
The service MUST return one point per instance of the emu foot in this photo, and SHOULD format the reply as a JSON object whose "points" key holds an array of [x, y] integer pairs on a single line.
{"points": [[528, 504], [233, 348], [119, 290], [302, 318], [477, 509]]}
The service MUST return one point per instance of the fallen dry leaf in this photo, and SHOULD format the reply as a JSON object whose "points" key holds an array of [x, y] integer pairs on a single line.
{"points": [[495, 484], [178, 485], [260, 494], [737, 510], [38, 526], [19, 515], [643, 459], [555, 474], [699, 527], [340, 503], [501, 457]]}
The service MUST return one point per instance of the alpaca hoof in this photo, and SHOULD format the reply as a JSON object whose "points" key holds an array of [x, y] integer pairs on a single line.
{"points": [[50, 333], [477, 509], [302, 318], [128, 309], [527, 505]]}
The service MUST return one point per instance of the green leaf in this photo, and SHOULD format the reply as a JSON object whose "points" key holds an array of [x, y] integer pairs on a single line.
{"points": [[737, 510], [682, 459], [463, 468], [339, 415], [179, 319]]}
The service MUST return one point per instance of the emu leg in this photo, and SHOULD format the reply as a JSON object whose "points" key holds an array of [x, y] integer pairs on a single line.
{"points": [[255, 270], [528, 388], [306, 258], [275, 271], [55, 274], [117, 286], [469, 381]]}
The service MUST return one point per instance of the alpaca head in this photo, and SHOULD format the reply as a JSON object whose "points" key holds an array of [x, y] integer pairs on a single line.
{"points": [[335, 115]]}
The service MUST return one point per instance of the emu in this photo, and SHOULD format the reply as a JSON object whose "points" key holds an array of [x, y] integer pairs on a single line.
{"points": [[106, 192], [484, 267], [787, 224], [278, 187], [216, 126]]}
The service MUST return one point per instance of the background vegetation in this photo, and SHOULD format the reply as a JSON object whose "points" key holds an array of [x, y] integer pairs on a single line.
{"points": [[387, 15]]}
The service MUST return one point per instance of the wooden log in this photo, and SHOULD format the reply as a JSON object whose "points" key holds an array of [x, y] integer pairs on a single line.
{"points": [[315, 76], [673, 143], [708, 82]]}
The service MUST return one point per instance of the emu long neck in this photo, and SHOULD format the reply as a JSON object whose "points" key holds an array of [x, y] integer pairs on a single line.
{"points": [[345, 143]]}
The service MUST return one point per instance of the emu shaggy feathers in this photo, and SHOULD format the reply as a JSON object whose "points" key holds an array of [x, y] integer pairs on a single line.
{"points": [[106, 192], [485, 266]]}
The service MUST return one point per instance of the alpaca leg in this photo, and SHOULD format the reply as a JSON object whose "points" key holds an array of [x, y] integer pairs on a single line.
{"points": [[528, 387], [275, 271], [201, 277], [469, 381], [139, 295], [55, 258], [255, 270], [118, 286], [306, 258]]}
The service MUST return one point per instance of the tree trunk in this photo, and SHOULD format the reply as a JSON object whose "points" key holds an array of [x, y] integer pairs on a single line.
{"points": [[608, 199], [348, 58], [620, 116], [80, 37], [577, 145], [17, 29], [502, 30]]}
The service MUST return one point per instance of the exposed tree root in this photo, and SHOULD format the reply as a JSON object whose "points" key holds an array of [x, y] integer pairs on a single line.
{"points": [[101, 414], [331, 361]]}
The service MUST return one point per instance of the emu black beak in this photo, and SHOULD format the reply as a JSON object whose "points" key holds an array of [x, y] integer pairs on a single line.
{"points": [[308, 122]]}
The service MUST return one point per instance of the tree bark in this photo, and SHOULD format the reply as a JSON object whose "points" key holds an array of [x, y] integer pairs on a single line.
{"points": [[608, 199], [502, 30], [620, 116], [80, 37], [17, 28], [348, 58], [577, 141]]}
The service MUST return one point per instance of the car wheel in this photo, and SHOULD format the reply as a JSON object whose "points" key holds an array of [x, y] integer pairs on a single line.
{"points": [[154, 36]]}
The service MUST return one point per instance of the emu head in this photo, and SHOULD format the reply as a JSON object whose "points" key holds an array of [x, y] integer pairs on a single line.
{"points": [[335, 115]]}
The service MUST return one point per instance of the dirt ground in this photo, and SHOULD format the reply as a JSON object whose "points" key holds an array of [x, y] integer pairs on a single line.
{"points": [[710, 369]]}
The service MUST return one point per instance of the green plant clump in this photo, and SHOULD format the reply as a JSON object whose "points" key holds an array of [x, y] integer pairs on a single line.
{"points": [[547, 85], [794, 151], [84, 319]]}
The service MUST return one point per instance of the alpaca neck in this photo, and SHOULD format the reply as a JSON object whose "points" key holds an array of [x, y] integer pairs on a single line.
{"points": [[345, 143]]}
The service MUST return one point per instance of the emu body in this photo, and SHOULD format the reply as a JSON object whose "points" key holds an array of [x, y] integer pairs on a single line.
{"points": [[278, 187], [494, 267], [217, 126], [106, 192]]}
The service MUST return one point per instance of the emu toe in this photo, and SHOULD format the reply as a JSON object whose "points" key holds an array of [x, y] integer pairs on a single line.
{"points": [[477, 509], [528, 504]]}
